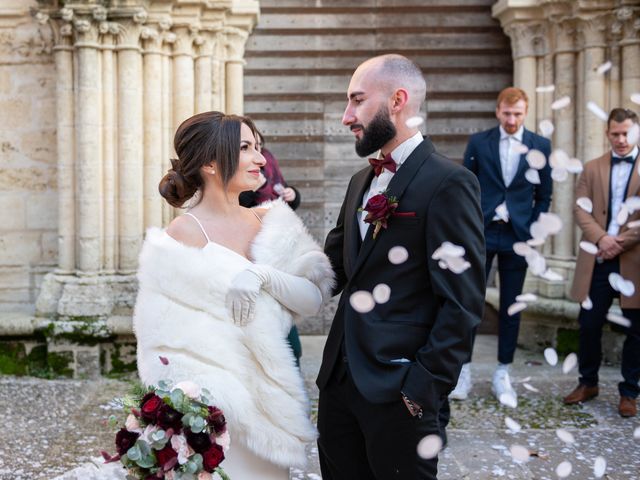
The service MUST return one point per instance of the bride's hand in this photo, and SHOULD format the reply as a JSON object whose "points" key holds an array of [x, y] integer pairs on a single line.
{"points": [[242, 296]]}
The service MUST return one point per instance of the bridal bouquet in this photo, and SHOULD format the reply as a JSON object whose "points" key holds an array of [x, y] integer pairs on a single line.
{"points": [[172, 433]]}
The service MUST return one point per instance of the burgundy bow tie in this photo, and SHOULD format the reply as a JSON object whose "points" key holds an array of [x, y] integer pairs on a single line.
{"points": [[379, 164]]}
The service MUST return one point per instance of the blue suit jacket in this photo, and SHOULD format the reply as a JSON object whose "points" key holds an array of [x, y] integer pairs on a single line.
{"points": [[525, 200]]}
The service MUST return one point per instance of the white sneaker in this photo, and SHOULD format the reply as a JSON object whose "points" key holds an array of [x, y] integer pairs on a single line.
{"points": [[463, 387], [502, 388]]}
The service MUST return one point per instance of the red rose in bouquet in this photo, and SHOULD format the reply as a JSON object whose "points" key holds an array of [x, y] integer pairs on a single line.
{"points": [[125, 440], [150, 406], [213, 457], [216, 418], [167, 458], [169, 418]]}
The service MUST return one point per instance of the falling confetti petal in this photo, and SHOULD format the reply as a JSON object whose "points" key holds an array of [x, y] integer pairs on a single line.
{"points": [[635, 98], [535, 242], [564, 469], [551, 222], [531, 388], [398, 255], [589, 247], [381, 293], [558, 159], [604, 68], [552, 276], [569, 363], [632, 204], [457, 264], [636, 433], [546, 89], [587, 304], [633, 134], [619, 284], [634, 224], [516, 308], [429, 446], [574, 166], [551, 356], [559, 174], [619, 319], [512, 424], [561, 103], [164, 360], [597, 111], [527, 297], [532, 176], [536, 262], [521, 248], [509, 400], [585, 203], [520, 148], [519, 453], [502, 212], [362, 301], [599, 467], [448, 249], [546, 128], [565, 436], [414, 122], [623, 215]]}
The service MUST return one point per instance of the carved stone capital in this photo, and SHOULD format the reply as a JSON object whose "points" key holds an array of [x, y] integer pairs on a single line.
{"points": [[527, 39], [593, 31], [628, 20], [183, 43], [235, 41], [564, 36]]}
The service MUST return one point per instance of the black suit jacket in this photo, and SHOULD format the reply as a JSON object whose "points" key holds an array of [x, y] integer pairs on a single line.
{"points": [[525, 200], [432, 313]]}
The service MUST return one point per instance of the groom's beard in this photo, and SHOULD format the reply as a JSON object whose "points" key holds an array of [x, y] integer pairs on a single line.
{"points": [[377, 134]]}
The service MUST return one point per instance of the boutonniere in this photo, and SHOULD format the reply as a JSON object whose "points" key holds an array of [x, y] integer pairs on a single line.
{"points": [[380, 208]]}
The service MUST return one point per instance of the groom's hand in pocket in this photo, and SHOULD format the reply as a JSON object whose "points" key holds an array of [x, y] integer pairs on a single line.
{"points": [[242, 295]]}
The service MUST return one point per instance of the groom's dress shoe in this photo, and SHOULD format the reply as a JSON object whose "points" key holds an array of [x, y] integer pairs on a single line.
{"points": [[627, 407], [582, 393]]}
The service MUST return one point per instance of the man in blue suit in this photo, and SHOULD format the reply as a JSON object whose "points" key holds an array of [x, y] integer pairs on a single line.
{"points": [[510, 203]]}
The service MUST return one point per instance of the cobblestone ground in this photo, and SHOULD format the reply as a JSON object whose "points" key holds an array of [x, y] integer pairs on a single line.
{"points": [[52, 427]]}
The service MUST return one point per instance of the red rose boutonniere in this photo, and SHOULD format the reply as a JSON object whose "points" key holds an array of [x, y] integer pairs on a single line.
{"points": [[380, 208]]}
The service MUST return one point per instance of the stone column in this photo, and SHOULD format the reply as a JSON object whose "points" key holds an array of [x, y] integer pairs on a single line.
{"points": [[593, 33], [183, 76], [63, 53], [153, 133], [234, 70], [630, 55], [130, 144], [203, 73], [169, 39], [88, 148], [109, 167]]}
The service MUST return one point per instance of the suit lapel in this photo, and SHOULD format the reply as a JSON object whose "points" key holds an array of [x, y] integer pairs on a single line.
{"points": [[396, 188], [494, 147], [523, 165], [634, 181], [352, 226], [604, 168]]}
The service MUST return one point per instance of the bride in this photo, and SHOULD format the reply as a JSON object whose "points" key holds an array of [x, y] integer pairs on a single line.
{"points": [[219, 290]]}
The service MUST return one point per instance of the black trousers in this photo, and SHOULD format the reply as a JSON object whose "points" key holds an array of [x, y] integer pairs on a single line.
{"points": [[512, 270], [591, 322], [360, 440]]}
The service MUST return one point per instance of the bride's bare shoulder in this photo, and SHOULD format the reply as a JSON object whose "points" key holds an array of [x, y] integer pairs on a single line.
{"points": [[186, 230]]}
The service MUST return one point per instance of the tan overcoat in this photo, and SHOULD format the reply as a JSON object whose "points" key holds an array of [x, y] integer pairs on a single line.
{"points": [[594, 184]]}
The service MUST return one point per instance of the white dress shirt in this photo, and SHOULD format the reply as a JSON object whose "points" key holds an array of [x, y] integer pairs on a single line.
{"points": [[380, 183], [509, 162], [620, 174]]}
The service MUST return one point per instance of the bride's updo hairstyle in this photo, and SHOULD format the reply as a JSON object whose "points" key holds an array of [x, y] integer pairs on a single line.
{"points": [[204, 138]]}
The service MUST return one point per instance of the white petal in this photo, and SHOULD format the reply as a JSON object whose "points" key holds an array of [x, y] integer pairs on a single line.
{"points": [[447, 249], [564, 469], [381, 293], [509, 400], [614, 281], [565, 436], [362, 301], [551, 356], [532, 176], [636, 432], [619, 319], [587, 304], [548, 89], [457, 264], [502, 212], [429, 446], [604, 68], [634, 224], [535, 242], [561, 103], [558, 158], [585, 203], [530, 387], [633, 134], [632, 204], [512, 424], [559, 174], [537, 230], [519, 453], [521, 248], [520, 148], [552, 276], [443, 265], [398, 255], [597, 111], [574, 166], [546, 128], [623, 215], [627, 288], [536, 159], [527, 297], [537, 264], [569, 363], [599, 467], [635, 98], [589, 247], [515, 308], [551, 222], [414, 122]]}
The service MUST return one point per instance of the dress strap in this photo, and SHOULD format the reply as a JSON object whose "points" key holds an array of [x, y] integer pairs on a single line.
{"points": [[199, 224], [256, 214]]}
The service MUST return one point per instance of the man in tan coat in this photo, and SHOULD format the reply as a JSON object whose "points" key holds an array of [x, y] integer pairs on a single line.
{"points": [[609, 219]]}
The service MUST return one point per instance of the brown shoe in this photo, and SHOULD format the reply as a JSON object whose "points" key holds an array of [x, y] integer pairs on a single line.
{"points": [[627, 407], [582, 393]]}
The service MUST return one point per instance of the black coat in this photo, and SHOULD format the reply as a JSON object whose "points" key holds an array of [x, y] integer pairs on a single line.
{"points": [[432, 313]]}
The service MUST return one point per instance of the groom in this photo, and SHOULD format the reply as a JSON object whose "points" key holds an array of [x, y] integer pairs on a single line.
{"points": [[387, 369]]}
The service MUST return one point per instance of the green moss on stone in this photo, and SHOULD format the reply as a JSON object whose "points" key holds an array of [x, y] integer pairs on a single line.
{"points": [[60, 363], [13, 358], [567, 341], [37, 360], [119, 364]]}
